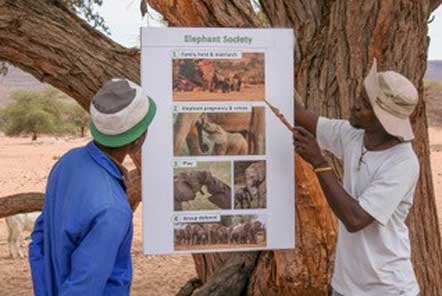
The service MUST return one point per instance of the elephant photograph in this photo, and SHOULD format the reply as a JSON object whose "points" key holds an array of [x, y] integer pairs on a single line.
{"points": [[232, 231], [250, 184], [219, 133], [239, 78], [204, 187]]}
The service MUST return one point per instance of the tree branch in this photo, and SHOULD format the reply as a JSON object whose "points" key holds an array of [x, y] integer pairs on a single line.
{"points": [[21, 203], [34, 201], [207, 13], [434, 4], [64, 51]]}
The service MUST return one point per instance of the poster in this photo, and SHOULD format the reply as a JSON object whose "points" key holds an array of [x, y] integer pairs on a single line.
{"points": [[218, 166]]}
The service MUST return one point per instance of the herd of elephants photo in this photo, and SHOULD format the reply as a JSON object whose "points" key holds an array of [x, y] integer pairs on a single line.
{"points": [[239, 231], [221, 183]]}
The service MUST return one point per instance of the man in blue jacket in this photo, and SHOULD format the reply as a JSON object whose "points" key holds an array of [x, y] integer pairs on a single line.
{"points": [[81, 242]]}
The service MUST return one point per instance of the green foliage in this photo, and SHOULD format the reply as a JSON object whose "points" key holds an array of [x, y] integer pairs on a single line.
{"points": [[78, 118], [41, 112], [86, 8]]}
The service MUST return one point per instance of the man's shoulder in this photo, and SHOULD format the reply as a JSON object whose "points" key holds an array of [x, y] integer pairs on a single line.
{"points": [[404, 153], [403, 160], [73, 156], [79, 170], [338, 128]]}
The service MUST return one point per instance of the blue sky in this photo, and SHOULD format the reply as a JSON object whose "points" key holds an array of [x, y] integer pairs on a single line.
{"points": [[124, 19]]}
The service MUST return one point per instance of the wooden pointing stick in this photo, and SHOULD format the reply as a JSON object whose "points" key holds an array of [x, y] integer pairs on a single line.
{"points": [[280, 116]]}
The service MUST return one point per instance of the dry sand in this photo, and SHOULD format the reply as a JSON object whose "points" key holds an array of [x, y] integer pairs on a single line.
{"points": [[24, 166]]}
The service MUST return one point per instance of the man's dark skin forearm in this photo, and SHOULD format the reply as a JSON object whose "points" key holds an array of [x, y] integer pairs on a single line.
{"points": [[346, 208]]}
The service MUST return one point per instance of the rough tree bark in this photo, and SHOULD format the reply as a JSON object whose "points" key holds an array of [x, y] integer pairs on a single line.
{"points": [[333, 52]]}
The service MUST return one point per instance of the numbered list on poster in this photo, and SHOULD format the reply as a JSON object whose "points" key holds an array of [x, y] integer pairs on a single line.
{"points": [[218, 171]]}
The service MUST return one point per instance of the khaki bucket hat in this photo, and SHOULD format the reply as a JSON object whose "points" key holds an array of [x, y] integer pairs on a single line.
{"points": [[393, 98]]}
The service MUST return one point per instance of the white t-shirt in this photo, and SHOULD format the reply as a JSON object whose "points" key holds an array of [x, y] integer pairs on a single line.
{"points": [[377, 259]]}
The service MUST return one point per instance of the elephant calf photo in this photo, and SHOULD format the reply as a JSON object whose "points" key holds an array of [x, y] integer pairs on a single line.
{"points": [[250, 185], [224, 143]]}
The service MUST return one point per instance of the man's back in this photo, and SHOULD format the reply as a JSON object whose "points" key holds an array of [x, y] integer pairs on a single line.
{"points": [[81, 243]]}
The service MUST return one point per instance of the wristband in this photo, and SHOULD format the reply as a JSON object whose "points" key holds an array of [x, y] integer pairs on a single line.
{"points": [[323, 169]]}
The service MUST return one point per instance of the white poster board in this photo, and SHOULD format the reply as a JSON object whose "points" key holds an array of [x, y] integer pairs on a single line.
{"points": [[218, 166]]}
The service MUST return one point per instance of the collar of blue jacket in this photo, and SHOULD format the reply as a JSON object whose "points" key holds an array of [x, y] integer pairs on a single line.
{"points": [[104, 161]]}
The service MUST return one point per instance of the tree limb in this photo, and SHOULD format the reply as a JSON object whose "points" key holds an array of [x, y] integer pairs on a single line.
{"points": [[207, 13], [34, 201], [21, 203], [64, 51], [434, 4]]}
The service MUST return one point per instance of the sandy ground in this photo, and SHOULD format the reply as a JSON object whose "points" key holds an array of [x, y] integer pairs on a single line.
{"points": [[436, 166], [24, 167], [247, 93]]}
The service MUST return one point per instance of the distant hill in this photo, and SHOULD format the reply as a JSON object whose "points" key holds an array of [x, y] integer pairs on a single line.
{"points": [[17, 79], [434, 70]]}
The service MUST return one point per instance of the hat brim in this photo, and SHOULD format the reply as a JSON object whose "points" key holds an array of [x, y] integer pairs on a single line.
{"points": [[395, 126], [115, 141]]}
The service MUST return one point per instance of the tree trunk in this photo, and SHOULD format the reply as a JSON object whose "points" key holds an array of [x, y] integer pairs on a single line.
{"points": [[34, 136], [334, 51], [333, 54]]}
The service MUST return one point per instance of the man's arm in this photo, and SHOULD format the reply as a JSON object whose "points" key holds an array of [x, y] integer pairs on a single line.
{"points": [[93, 260], [346, 208], [306, 119], [36, 257]]}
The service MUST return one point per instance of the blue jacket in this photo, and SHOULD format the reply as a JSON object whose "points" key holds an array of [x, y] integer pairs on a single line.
{"points": [[81, 242]]}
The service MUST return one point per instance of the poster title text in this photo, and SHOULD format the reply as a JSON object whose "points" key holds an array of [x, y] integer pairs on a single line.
{"points": [[218, 39]]}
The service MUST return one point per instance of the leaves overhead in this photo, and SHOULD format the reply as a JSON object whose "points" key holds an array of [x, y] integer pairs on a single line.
{"points": [[87, 9]]}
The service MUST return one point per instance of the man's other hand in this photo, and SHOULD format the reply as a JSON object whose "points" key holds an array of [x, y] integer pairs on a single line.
{"points": [[307, 147]]}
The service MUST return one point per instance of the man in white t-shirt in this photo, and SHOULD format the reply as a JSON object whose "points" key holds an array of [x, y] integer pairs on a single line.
{"points": [[381, 170]]}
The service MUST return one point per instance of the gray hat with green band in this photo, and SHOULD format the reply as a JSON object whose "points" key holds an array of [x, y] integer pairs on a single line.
{"points": [[120, 113]]}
